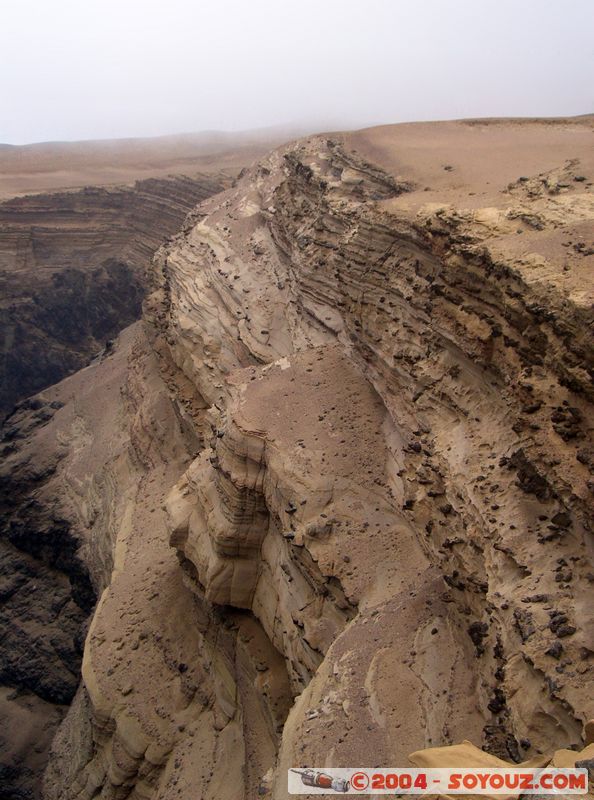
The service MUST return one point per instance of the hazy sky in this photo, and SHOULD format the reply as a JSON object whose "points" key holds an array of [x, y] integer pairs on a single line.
{"points": [[79, 69]]}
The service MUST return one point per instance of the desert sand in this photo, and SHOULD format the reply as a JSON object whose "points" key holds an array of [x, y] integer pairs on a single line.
{"points": [[27, 169]]}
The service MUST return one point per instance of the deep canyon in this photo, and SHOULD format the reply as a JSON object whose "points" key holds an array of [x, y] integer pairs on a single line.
{"points": [[328, 499]]}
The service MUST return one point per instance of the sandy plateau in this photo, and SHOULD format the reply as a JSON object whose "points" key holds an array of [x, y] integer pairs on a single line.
{"points": [[330, 501]]}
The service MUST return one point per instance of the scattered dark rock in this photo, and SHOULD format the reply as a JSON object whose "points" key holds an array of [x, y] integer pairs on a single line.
{"points": [[529, 478], [536, 598], [531, 408], [564, 576], [566, 422], [561, 520], [587, 763], [555, 650], [498, 702], [559, 625], [523, 623], [477, 632]]}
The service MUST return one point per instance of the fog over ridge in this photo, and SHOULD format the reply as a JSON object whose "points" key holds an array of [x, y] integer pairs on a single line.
{"points": [[72, 70]]}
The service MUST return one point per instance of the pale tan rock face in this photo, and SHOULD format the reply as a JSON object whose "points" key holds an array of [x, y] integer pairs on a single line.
{"points": [[366, 412], [471, 334]]}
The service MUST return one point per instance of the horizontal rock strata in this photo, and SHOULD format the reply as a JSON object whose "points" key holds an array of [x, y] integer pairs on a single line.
{"points": [[72, 269]]}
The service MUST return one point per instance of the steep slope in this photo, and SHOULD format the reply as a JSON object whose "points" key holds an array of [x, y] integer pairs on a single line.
{"points": [[473, 324], [352, 515], [79, 468], [72, 272]]}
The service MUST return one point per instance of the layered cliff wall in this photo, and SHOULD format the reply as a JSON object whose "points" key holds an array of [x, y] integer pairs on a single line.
{"points": [[347, 512], [72, 272], [473, 327]]}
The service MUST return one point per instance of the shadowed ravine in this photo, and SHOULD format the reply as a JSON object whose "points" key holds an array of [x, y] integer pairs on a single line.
{"points": [[72, 272]]}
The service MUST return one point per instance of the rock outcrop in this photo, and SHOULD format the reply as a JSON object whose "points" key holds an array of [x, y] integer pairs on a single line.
{"points": [[479, 351], [341, 510]]}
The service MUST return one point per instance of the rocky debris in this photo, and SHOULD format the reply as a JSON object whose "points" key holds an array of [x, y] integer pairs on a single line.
{"points": [[530, 480], [477, 632], [566, 422], [550, 183], [524, 623], [555, 650], [559, 625]]}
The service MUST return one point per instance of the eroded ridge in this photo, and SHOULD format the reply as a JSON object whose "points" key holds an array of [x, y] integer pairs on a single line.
{"points": [[366, 412]]}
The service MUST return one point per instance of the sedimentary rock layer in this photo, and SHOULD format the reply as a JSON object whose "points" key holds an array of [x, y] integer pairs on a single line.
{"points": [[473, 326], [72, 270], [354, 501]]}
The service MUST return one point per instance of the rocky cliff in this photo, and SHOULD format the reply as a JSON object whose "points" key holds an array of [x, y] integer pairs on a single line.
{"points": [[72, 272], [334, 495]]}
